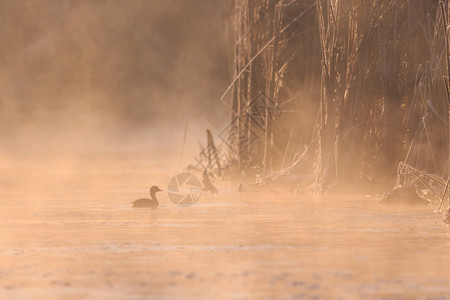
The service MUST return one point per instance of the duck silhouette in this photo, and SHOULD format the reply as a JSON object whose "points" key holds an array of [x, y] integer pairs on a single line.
{"points": [[145, 202]]}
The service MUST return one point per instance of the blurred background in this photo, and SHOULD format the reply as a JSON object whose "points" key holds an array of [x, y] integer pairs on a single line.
{"points": [[104, 76]]}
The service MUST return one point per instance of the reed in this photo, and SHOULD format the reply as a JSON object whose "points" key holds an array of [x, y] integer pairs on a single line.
{"points": [[371, 70]]}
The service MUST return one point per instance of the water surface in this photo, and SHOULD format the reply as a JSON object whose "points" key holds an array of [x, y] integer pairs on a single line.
{"points": [[70, 233]]}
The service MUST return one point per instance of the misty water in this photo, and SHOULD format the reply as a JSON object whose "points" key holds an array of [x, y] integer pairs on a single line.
{"points": [[68, 232]]}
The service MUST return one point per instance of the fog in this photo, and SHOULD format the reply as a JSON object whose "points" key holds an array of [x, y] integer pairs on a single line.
{"points": [[322, 174], [86, 76]]}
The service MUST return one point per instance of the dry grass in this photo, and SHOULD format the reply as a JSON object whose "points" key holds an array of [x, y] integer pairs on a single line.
{"points": [[371, 70]]}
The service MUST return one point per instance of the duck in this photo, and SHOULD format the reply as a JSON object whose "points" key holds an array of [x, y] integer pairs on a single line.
{"points": [[152, 202]]}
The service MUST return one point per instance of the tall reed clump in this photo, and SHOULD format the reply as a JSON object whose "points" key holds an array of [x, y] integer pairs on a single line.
{"points": [[428, 110], [266, 42], [375, 69], [370, 56]]}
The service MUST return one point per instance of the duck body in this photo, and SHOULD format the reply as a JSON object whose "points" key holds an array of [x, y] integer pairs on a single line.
{"points": [[146, 202]]}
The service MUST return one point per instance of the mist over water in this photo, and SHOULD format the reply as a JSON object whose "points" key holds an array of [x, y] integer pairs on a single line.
{"points": [[75, 236], [96, 100], [94, 85], [93, 75]]}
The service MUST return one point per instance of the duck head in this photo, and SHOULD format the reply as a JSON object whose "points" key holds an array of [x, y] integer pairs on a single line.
{"points": [[154, 189]]}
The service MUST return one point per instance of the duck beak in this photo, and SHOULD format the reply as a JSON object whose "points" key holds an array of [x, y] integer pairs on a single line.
{"points": [[159, 190]]}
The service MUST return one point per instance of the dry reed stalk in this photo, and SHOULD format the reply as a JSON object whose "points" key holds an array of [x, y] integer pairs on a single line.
{"points": [[377, 83], [261, 37]]}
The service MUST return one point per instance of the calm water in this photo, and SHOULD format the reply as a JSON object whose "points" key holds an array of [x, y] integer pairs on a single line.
{"points": [[68, 232]]}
